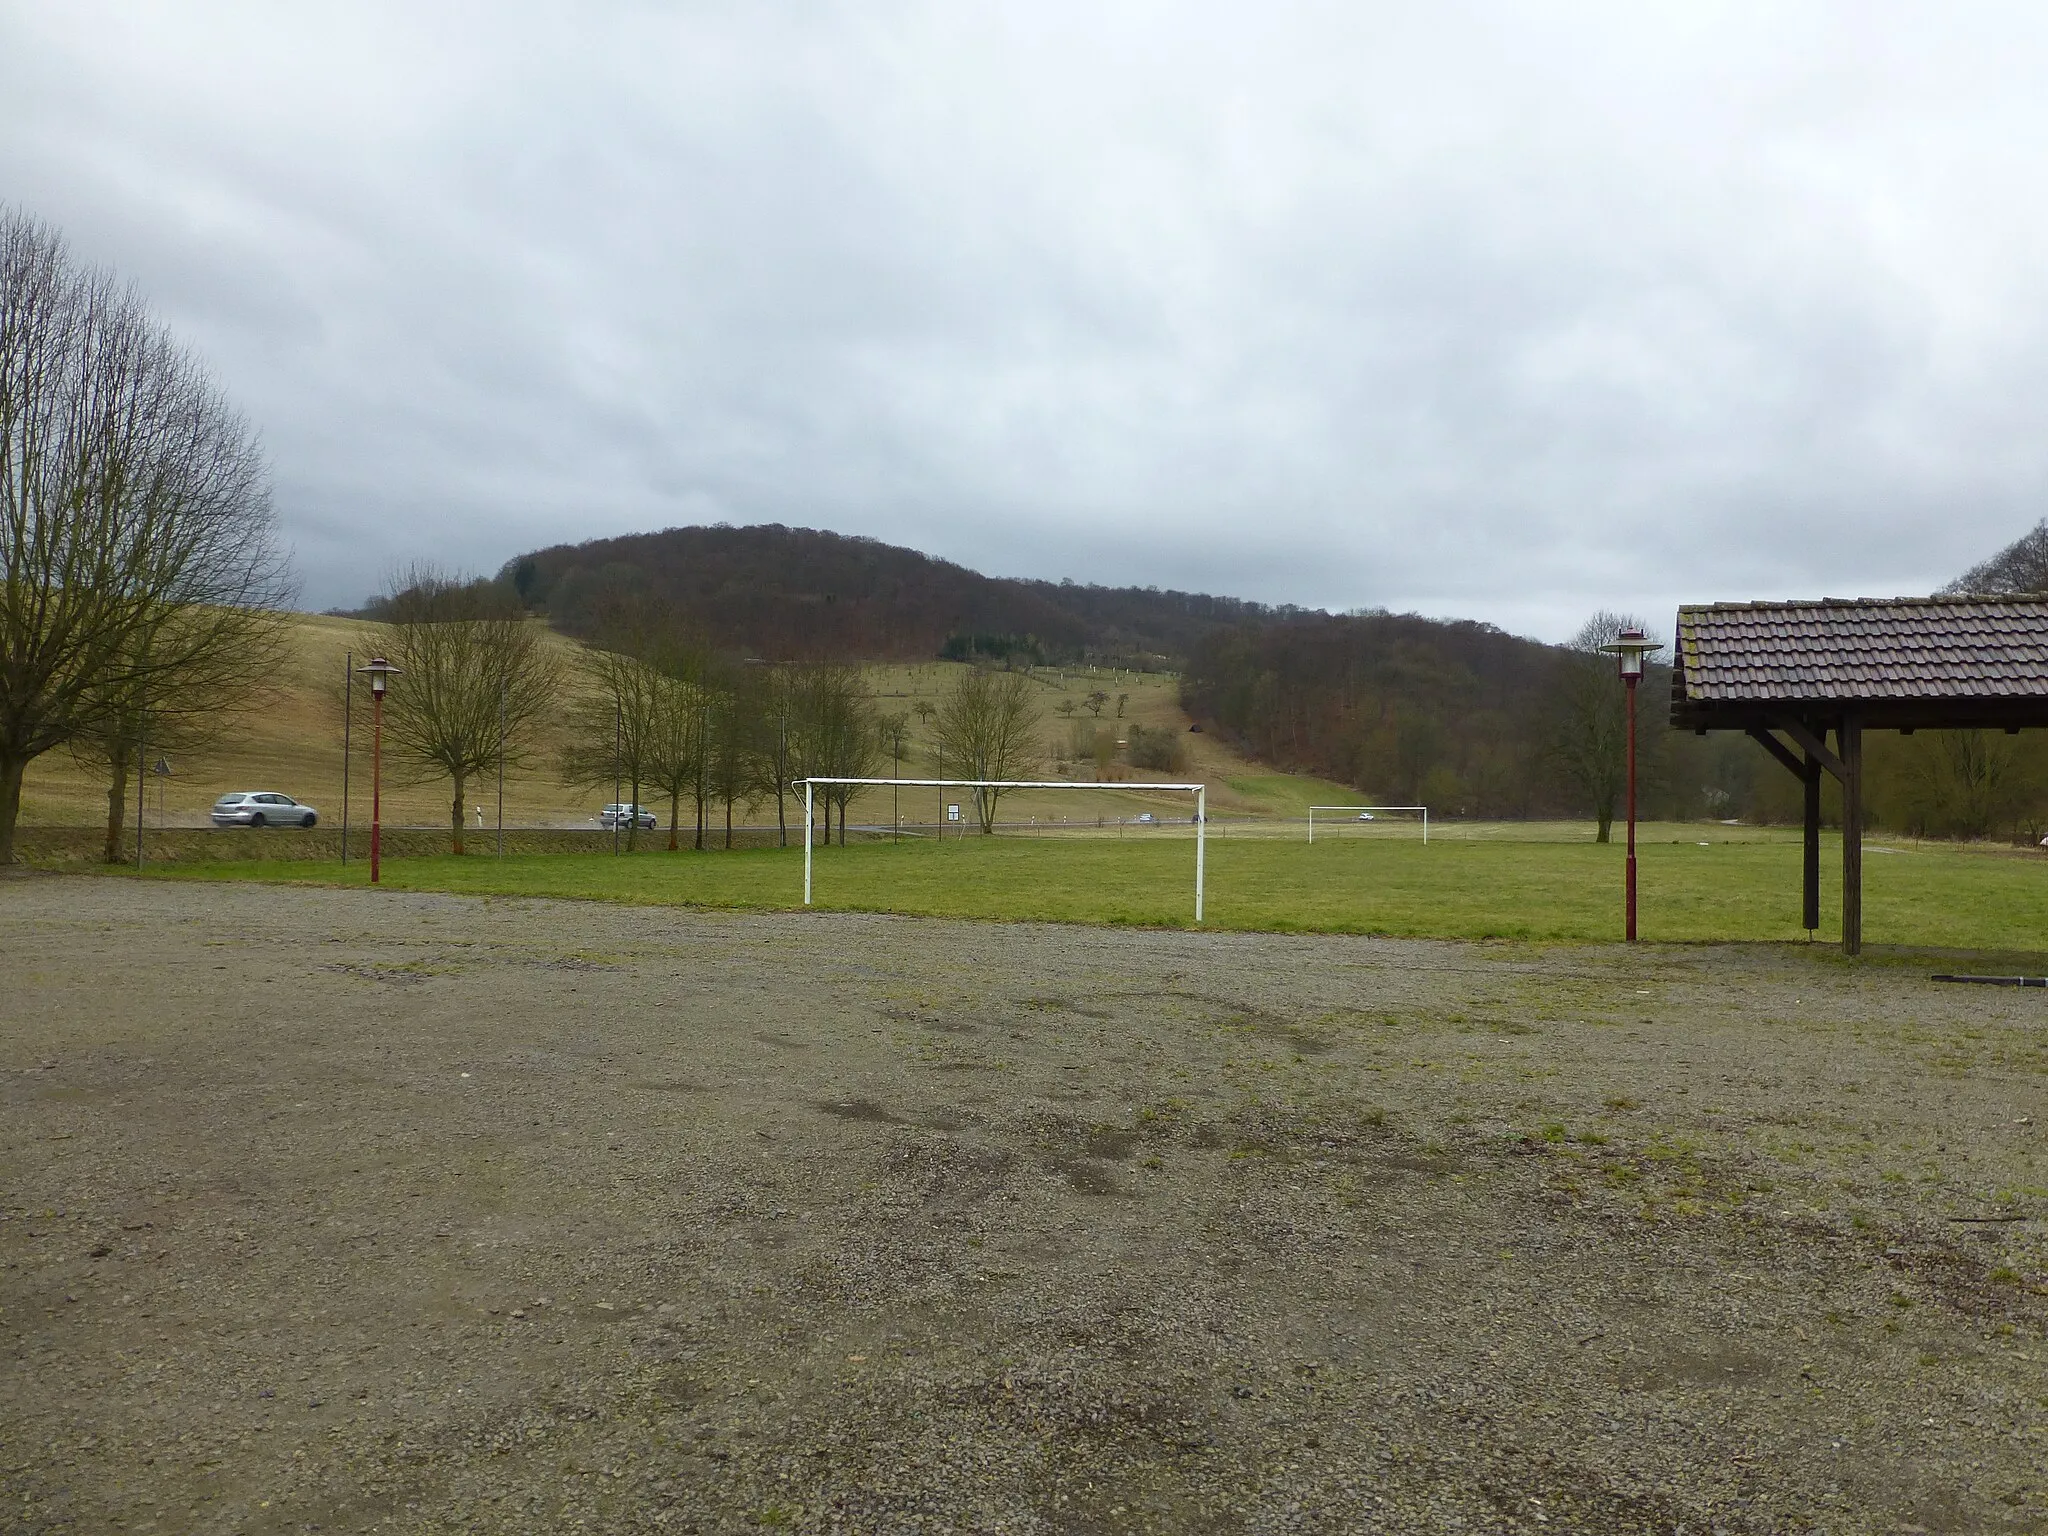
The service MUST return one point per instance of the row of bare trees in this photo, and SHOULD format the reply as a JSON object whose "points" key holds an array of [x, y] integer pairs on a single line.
{"points": [[651, 713], [140, 572], [719, 737]]}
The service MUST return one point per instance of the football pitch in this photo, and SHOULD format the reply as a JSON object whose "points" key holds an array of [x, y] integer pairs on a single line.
{"points": [[1699, 884]]}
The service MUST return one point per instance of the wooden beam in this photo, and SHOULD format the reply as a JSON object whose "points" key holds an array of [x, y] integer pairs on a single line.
{"points": [[1777, 749], [1809, 906], [1924, 714], [1817, 749], [1850, 734]]}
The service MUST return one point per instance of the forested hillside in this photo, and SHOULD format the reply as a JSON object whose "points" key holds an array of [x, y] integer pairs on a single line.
{"points": [[1454, 714], [1471, 721], [801, 593], [1458, 716], [1411, 709]]}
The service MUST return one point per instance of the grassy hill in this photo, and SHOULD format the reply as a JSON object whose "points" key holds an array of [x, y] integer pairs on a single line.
{"points": [[288, 737]]}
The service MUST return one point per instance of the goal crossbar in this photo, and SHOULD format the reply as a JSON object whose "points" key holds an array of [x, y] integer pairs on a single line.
{"points": [[1422, 808], [1199, 791]]}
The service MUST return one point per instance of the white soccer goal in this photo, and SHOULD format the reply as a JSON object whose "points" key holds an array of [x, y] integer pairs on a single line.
{"points": [[1368, 813], [1199, 791]]}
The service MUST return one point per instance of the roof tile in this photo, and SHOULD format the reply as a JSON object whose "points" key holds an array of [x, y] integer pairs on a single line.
{"points": [[1864, 649]]}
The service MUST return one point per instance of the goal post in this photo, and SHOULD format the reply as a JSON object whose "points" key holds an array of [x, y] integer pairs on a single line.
{"points": [[1368, 811], [1199, 791]]}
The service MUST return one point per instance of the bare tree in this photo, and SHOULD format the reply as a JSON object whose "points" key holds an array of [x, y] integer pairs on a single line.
{"points": [[138, 548], [988, 729], [1589, 723], [1965, 784], [476, 673], [734, 770], [2020, 568], [839, 740], [675, 757], [180, 713], [614, 729], [778, 719], [893, 735]]}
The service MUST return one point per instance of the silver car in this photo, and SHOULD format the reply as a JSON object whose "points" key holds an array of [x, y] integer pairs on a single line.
{"points": [[625, 816], [262, 808]]}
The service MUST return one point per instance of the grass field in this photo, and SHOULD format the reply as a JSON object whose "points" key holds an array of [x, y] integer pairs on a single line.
{"points": [[1697, 885]]}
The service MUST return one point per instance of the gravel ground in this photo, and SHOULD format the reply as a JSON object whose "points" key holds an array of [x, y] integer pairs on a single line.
{"points": [[348, 1211]]}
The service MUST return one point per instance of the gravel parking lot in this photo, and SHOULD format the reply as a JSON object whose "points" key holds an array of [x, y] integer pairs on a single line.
{"points": [[348, 1211]]}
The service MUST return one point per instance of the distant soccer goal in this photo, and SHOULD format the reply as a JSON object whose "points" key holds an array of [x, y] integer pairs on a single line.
{"points": [[1199, 791], [1353, 816]]}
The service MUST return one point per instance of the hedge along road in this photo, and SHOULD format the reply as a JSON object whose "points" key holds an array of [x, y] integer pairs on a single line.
{"points": [[1696, 888]]}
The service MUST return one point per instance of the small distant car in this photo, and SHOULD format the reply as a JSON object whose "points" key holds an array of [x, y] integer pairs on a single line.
{"points": [[626, 815], [262, 808], [1365, 815], [1145, 816]]}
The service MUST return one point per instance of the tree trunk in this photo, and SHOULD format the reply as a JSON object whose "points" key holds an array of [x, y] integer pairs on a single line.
{"points": [[842, 823], [728, 823], [455, 821], [117, 807], [700, 815], [633, 826], [1606, 832], [675, 814], [11, 770], [781, 818]]}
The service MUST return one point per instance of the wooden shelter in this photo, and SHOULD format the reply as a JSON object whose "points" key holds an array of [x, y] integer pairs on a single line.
{"points": [[1789, 674]]}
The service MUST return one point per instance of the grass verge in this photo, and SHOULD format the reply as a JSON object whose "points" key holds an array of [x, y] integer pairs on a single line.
{"points": [[1941, 898]]}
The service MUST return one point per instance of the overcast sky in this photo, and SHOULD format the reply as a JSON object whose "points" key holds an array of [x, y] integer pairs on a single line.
{"points": [[1500, 311]]}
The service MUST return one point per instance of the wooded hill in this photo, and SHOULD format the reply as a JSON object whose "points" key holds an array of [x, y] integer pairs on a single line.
{"points": [[802, 593], [1454, 714]]}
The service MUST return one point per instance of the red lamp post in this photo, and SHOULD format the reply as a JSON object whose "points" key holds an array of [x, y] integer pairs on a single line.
{"points": [[1628, 648], [380, 672]]}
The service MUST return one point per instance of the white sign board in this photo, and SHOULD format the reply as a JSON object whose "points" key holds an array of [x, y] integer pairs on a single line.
{"points": [[952, 813]]}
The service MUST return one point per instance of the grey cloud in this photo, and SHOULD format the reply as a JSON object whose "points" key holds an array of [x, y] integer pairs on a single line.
{"points": [[1461, 308]]}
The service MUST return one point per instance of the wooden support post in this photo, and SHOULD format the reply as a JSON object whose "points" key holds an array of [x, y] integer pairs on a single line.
{"points": [[1850, 735], [1809, 915]]}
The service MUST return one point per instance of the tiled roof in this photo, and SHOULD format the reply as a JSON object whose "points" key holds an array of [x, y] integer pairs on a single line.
{"points": [[1901, 648]]}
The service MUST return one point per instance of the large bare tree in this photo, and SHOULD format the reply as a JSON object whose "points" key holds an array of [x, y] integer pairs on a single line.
{"points": [[142, 714], [138, 547], [987, 728], [477, 678], [1589, 719]]}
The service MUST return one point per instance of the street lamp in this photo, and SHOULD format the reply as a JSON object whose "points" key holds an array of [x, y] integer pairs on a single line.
{"points": [[1629, 648], [380, 673]]}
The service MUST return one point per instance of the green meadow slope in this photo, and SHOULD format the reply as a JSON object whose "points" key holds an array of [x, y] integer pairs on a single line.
{"points": [[288, 736]]}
